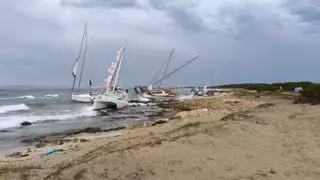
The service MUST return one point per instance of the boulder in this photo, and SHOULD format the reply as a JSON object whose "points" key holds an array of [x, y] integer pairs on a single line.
{"points": [[26, 123]]}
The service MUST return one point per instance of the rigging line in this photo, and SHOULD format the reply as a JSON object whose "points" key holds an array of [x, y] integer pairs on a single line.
{"points": [[78, 57], [174, 71], [167, 65], [84, 56]]}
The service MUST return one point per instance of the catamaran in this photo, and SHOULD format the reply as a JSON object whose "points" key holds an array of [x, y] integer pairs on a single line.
{"points": [[79, 66], [113, 97]]}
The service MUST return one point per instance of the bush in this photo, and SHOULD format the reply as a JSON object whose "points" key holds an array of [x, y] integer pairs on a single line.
{"points": [[310, 94]]}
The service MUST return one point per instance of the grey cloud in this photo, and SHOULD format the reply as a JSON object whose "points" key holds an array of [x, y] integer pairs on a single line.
{"points": [[184, 15], [247, 21], [116, 4], [308, 11], [38, 47], [186, 20]]}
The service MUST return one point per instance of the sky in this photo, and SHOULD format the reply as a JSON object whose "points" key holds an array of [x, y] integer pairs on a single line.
{"points": [[238, 40]]}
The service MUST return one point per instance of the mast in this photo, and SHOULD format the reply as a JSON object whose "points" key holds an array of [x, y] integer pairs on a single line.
{"points": [[85, 37], [174, 71], [163, 69], [156, 76], [167, 65], [121, 57], [76, 63]]}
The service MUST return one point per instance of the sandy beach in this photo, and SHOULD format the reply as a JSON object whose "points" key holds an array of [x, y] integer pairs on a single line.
{"points": [[238, 136]]}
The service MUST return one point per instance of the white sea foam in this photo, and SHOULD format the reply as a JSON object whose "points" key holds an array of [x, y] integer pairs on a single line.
{"points": [[20, 97], [137, 104], [16, 120], [11, 108], [26, 97], [51, 96]]}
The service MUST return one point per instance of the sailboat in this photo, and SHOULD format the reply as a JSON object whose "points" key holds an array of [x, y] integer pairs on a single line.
{"points": [[113, 97], [159, 93], [79, 66]]}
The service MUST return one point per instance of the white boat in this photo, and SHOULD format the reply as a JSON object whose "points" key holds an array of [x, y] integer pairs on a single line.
{"points": [[110, 100], [155, 94], [112, 97], [77, 95], [158, 93], [85, 98], [142, 99]]}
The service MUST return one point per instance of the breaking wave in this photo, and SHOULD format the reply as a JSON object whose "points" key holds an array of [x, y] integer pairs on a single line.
{"points": [[51, 96], [11, 108], [20, 97], [16, 120]]}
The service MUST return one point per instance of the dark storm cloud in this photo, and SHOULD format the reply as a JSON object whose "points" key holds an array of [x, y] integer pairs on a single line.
{"points": [[183, 16], [116, 4], [40, 39], [308, 11]]}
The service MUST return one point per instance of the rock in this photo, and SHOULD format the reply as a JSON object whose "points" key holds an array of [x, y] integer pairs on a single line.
{"points": [[158, 141], [84, 140], [5, 131], [262, 122], [138, 126], [14, 155], [272, 171], [266, 105], [56, 141], [17, 154], [26, 123], [175, 117], [41, 144], [24, 155], [159, 121]]}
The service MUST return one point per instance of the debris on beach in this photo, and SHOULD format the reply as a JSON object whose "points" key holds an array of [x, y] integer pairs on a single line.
{"points": [[53, 151]]}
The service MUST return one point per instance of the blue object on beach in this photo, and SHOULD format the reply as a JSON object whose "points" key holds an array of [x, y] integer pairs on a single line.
{"points": [[53, 151]]}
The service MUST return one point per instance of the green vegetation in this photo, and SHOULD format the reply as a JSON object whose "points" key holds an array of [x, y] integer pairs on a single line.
{"points": [[310, 93], [287, 86]]}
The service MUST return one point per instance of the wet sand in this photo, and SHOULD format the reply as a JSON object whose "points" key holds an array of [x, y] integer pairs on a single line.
{"points": [[228, 138]]}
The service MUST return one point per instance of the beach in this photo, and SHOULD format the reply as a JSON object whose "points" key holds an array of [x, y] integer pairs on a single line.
{"points": [[228, 137]]}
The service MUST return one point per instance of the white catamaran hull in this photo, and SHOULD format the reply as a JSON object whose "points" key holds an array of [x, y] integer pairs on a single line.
{"points": [[84, 98], [104, 104]]}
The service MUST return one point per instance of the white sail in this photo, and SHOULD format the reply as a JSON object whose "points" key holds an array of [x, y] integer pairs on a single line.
{"points": [[113, 71], [75, 68], [120, 56]]}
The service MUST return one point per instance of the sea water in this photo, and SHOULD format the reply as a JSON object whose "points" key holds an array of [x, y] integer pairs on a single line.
{"points": [[52, 111]]}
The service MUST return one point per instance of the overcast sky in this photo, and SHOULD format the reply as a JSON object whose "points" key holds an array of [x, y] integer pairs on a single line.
{"points": [[238, 40]]}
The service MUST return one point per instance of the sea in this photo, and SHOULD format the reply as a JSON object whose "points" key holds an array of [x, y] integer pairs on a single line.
{"points": [[52, 112]]}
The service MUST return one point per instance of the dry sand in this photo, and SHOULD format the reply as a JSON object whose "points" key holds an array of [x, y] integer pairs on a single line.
{"points": [[225, 138]]}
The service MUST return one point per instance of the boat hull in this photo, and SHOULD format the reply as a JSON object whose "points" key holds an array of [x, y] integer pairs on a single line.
{"points": [[111, 100], [105, 104], [83, 98]]}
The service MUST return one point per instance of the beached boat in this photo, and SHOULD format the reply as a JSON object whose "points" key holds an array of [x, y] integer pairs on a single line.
{"points": [[76, 94], [110, 100], [112, 97]]}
